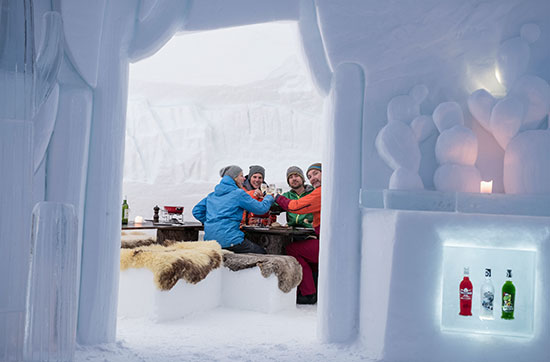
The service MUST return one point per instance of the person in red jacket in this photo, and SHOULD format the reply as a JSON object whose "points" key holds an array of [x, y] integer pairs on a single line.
{"points": [[306, 251]]}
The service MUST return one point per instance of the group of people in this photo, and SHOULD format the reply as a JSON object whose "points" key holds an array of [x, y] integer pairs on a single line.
{"points": [[237, 198]]}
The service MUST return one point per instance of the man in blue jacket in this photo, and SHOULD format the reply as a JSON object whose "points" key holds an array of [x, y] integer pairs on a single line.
{"points": [[221, 212]]}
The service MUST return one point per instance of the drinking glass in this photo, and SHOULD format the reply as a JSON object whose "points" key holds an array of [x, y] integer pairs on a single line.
{"points": [[263, 187], [279, 191], [271, 189]]}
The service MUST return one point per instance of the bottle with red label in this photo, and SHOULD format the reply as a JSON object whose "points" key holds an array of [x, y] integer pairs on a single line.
{"points": [[466, 290]]}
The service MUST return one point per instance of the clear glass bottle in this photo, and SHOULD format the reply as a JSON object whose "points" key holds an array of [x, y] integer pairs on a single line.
{"points": [[487, 294]]}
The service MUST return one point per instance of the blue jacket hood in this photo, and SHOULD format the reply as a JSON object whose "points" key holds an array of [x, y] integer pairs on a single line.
{"points": [[221, 212]]}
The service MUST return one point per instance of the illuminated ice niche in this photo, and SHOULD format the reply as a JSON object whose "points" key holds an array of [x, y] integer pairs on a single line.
{"points": [[522, 263]]}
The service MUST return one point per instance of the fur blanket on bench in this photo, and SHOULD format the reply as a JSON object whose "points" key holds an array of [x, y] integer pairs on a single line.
{"points": [[135, 239], [190, 261], [286, 268]]}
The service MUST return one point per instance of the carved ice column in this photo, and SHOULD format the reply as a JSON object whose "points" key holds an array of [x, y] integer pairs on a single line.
{"points": [[16, 159], [339, 257], [50, 328]]}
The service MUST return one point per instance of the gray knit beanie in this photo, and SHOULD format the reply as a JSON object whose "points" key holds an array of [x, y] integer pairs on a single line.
{"points": [[231, 171], [256, 169], [295, 170]]}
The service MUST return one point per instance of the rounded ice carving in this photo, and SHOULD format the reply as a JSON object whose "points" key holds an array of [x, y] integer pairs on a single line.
{"points": [[480, 104], [452, 177], [530, 32], [506, 120], [512, 60], [397, 146], [405, 179], [405, 108], [456, 145], [423, 127], [527, 163], [447, 115], [534, 92]]}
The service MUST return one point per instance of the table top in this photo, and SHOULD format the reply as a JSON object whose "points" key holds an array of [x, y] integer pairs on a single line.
{"points": [[148, 224], [279, 230]]}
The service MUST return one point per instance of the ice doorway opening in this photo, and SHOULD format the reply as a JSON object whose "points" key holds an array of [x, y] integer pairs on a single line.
{"points": [[240, 95]]}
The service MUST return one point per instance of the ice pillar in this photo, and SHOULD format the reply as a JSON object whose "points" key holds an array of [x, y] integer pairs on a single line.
{"points": [[101, 240], [340, 225], [50, 328], [16, 165]]}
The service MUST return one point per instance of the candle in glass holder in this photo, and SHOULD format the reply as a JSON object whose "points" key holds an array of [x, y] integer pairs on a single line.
{"points": [[486, 187], [138, 220]]}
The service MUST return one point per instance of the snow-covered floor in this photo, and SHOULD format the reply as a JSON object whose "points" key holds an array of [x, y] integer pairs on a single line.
{"points": [[222, 335]]}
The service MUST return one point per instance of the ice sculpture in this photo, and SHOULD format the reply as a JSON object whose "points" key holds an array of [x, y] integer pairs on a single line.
{"points": [[50, 328], [455, 150], [397, 142], [513, 55], [525, 107]]}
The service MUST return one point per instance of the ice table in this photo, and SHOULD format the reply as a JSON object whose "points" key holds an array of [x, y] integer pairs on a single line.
{"points": [[187, 231], [414, 248]]}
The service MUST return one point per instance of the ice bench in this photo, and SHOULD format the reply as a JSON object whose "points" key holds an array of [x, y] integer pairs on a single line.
{"points": [[173, 290]]}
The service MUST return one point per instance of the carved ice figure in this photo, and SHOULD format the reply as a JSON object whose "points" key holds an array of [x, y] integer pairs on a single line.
{"points": [[423, 127], [405, 108], [397, 142], [524, 108], [447, 115], [527, 163], [455, 151], [513, 55], [456, 145]]}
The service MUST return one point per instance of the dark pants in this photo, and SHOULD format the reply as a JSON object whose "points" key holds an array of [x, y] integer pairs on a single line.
{"points": [[307, 254], [247, 246]]}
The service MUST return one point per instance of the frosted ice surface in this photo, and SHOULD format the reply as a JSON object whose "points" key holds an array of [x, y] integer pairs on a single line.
{"points": [[456, 145], [405, 108], [396, 143], [506, 119], [423, 127], [447, 115], [534, 92], [405, 179], [480, 104], [145, 8], [44, 122], [512, 60], [50, 55], [50, 328], [527, 163], [83, 25], [452, 177], [530, 32]]}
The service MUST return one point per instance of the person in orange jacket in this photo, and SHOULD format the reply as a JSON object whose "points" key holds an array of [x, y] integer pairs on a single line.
{"points": [[306, 251], [252, 184]]}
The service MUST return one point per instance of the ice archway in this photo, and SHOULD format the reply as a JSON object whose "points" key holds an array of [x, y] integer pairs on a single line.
{"points": [[82, 123]]}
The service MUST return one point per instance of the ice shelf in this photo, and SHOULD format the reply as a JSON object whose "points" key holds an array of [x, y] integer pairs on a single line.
{"points": [[462, 202]]}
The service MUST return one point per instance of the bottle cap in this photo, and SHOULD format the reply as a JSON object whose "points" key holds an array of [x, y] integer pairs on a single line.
{"points": [[508, 273], [466, 270], [487, 272]]}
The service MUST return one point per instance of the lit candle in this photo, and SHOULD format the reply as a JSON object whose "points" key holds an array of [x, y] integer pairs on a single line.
{"points": [[486, 187], [138, 220]]}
